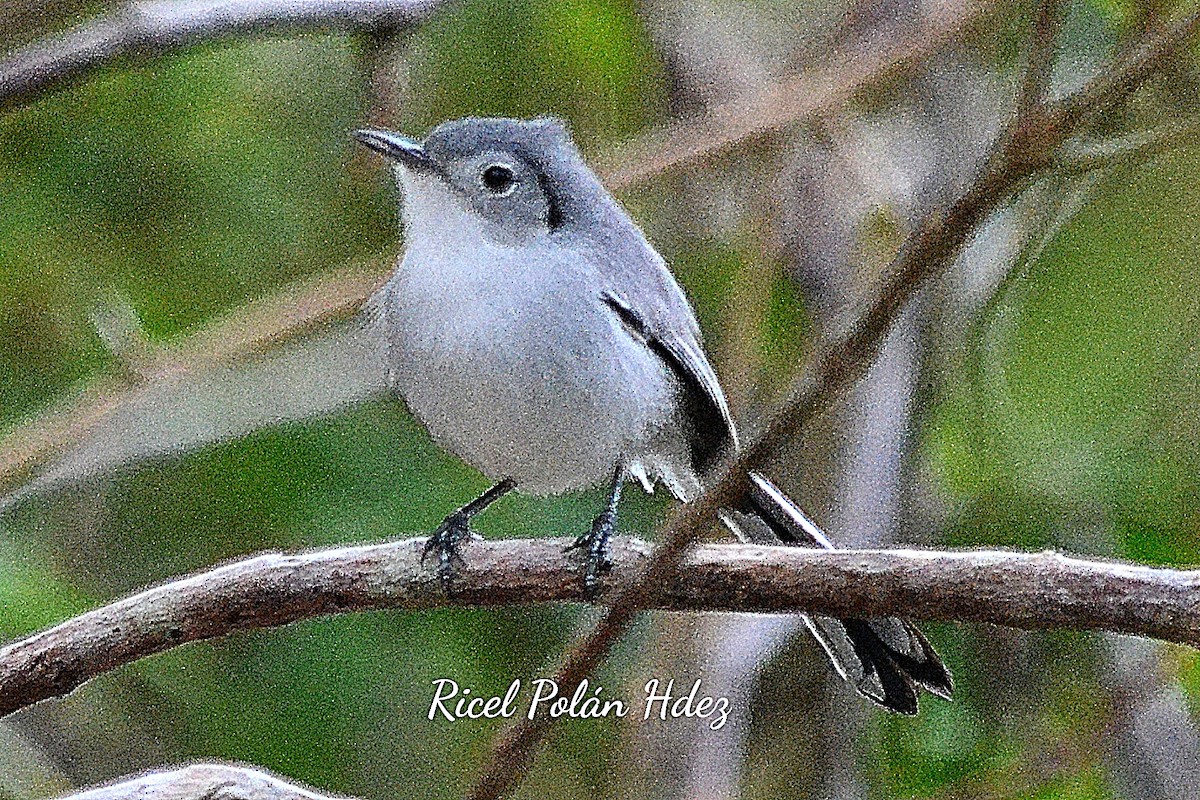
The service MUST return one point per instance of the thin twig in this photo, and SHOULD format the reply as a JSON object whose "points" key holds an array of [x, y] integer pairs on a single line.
{"points": [[1027, 590], [1083, 157], [151, 28], [1039, 65], [1023, 151]]}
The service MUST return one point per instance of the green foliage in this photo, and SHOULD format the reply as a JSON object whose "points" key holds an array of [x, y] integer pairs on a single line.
{"points": [[587, 61], [1079, 404], [33, 594]]}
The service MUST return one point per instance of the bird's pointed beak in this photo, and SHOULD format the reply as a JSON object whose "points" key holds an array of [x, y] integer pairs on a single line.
{"points": [[408, 152]]}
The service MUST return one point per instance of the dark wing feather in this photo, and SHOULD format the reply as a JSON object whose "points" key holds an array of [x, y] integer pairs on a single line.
{"points": [[711, 434]]}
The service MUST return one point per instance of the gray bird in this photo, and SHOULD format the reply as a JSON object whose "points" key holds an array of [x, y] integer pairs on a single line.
{"points": [[539, 337]]}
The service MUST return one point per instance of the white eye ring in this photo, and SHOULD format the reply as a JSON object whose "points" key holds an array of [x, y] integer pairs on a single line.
{"points": [[498, 179]]}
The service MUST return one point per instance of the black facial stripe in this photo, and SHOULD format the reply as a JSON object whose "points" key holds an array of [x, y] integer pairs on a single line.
{"points": [[554, 214]]}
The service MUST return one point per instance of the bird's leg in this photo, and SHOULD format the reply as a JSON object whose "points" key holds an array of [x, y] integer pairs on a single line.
{"points": [[595, 541], [457, 527]]}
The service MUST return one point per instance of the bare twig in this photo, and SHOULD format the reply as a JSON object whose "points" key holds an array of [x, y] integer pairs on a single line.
{"points": [[1039, 66], [1027, 590], [154, 27], [201, 782], [1088, 156], [792, 100], [1024, 151]]}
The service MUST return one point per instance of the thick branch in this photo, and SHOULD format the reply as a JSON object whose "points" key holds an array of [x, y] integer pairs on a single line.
{"points": [[1027, 590], [154, 27], [201, 782]]}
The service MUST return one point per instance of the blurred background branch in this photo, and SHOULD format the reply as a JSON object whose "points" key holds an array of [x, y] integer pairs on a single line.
{"points": [[150, 28], [1026, 590], [1042, 52], [1039, 393]]}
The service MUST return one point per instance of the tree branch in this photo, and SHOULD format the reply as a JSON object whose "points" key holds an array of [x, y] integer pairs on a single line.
{"points": [[1125, 77], [1026, 590], [151, 28], [795, 98], [1039, 65], [1084, 157], [201, 782]]}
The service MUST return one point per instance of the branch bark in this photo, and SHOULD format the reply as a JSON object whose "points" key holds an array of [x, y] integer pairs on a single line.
{"points": [[1025, 590], [1128, 74], [202, 782], [156, 27]]}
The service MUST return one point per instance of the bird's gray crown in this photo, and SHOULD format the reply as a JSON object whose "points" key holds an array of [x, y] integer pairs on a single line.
{"points": [[540, 142], [571, 191]]}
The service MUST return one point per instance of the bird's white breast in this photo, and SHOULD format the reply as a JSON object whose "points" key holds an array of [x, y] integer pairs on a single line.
{"points": [[508, 356]]}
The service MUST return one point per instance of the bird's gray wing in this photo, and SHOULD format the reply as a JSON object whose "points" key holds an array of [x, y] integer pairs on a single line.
{"points": [[671, 333]]}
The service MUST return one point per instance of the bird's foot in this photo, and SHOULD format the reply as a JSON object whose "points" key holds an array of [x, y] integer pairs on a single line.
{"points": [[446, 541], [595, 544]]}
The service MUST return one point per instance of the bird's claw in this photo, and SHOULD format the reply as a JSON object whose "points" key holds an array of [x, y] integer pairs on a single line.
{"points": [[446, 541], [595, 544]]}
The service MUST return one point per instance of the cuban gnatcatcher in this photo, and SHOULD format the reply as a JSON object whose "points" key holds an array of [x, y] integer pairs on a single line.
{"points": [[539, 337]]}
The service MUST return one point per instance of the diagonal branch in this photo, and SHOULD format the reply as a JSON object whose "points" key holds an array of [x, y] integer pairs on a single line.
{"points": [[782, 105], [927, 253], [148, 28], [1116, 84], [1027, 590]]}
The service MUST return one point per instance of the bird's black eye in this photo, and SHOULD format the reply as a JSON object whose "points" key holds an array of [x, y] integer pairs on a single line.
{"points": [[498, 179]]}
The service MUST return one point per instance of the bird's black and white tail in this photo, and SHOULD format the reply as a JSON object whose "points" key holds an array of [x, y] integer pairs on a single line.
{"points": [[886, 659]]}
